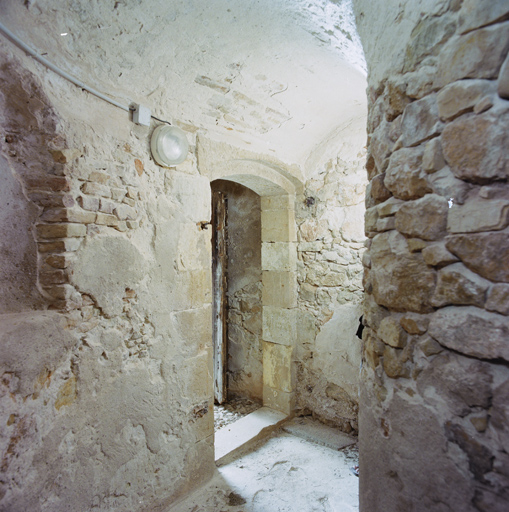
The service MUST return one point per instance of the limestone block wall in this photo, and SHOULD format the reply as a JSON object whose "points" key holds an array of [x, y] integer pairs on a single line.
{"points": [[330, 218], [435, 380], [105, 318]]}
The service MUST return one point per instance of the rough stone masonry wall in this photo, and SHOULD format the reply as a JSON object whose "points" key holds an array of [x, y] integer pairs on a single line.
{"points": [[105, 319], [434, 413], [330, 219]]}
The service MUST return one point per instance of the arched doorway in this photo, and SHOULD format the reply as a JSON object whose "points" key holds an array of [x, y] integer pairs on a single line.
{"points": [[276, 191]]}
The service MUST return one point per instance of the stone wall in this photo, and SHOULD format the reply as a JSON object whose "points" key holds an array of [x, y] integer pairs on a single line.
{"points": [[105, 318], [330, 217], [433, 416]]}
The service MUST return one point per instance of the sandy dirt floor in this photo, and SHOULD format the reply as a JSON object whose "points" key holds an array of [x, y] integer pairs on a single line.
{"points": [[283, 473]]}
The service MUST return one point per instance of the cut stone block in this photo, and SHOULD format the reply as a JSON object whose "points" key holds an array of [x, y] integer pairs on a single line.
{"points": [[96, 189], [424, 218], [391, 333], [70, 244], [433, 158], [394, 363], [285, 202], [279, 325], [378, 189], [445, 184], [50, 183], [390, 207], [279, 256], [475, 14], [385, 224], [478, 215], [401, 279], [279, 288], [472, 331], [89, 203], [414, 324], [478, 54], [277, 367], [460, 97], [460, 286], [420, 121], [68, 215], [484, 158], [437, 255], [279, 400], [278, 226], [498, 299], [487, 254], [61, 230], [404, 177]]}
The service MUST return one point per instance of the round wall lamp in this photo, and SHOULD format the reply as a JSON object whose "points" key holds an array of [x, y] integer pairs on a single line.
{"points": [[169, 145]]}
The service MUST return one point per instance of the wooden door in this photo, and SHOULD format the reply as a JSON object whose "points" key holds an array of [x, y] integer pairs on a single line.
{"points": [[219, 289]]}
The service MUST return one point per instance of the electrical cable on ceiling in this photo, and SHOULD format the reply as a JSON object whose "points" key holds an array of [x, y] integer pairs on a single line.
{"points": [[161, 120], [30, 51]]}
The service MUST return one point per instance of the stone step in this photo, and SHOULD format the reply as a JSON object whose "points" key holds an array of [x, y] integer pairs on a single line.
{"points": [[246, 431]]}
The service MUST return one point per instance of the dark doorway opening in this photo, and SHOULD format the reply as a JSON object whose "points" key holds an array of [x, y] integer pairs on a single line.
{"points": [[237, 295]]}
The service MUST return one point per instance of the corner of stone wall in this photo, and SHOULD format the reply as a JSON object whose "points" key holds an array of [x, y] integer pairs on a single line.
{"points": [[329, 216]]}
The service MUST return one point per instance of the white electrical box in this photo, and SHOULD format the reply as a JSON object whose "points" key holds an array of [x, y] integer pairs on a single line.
{"points": [[141, 115]]}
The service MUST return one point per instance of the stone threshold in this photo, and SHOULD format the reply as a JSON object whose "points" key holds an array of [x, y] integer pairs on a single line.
{"points": [[245, 432], [315, 432]]}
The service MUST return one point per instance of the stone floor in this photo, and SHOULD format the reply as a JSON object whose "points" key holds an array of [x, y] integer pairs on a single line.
{"points": [[285, 472]]}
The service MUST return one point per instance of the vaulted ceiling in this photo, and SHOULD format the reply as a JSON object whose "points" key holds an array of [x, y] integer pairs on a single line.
{"points": [[277, 76]]}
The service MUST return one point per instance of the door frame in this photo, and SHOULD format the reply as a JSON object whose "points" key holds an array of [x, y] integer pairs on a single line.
{"points": [[278, 188]]}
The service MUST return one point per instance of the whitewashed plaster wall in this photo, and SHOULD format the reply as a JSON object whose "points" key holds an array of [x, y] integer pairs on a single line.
{"points": [[105, 355], [106, 363]]}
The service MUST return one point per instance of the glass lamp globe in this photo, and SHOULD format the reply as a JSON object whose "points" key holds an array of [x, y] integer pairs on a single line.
{"points": [[169, 146]]}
